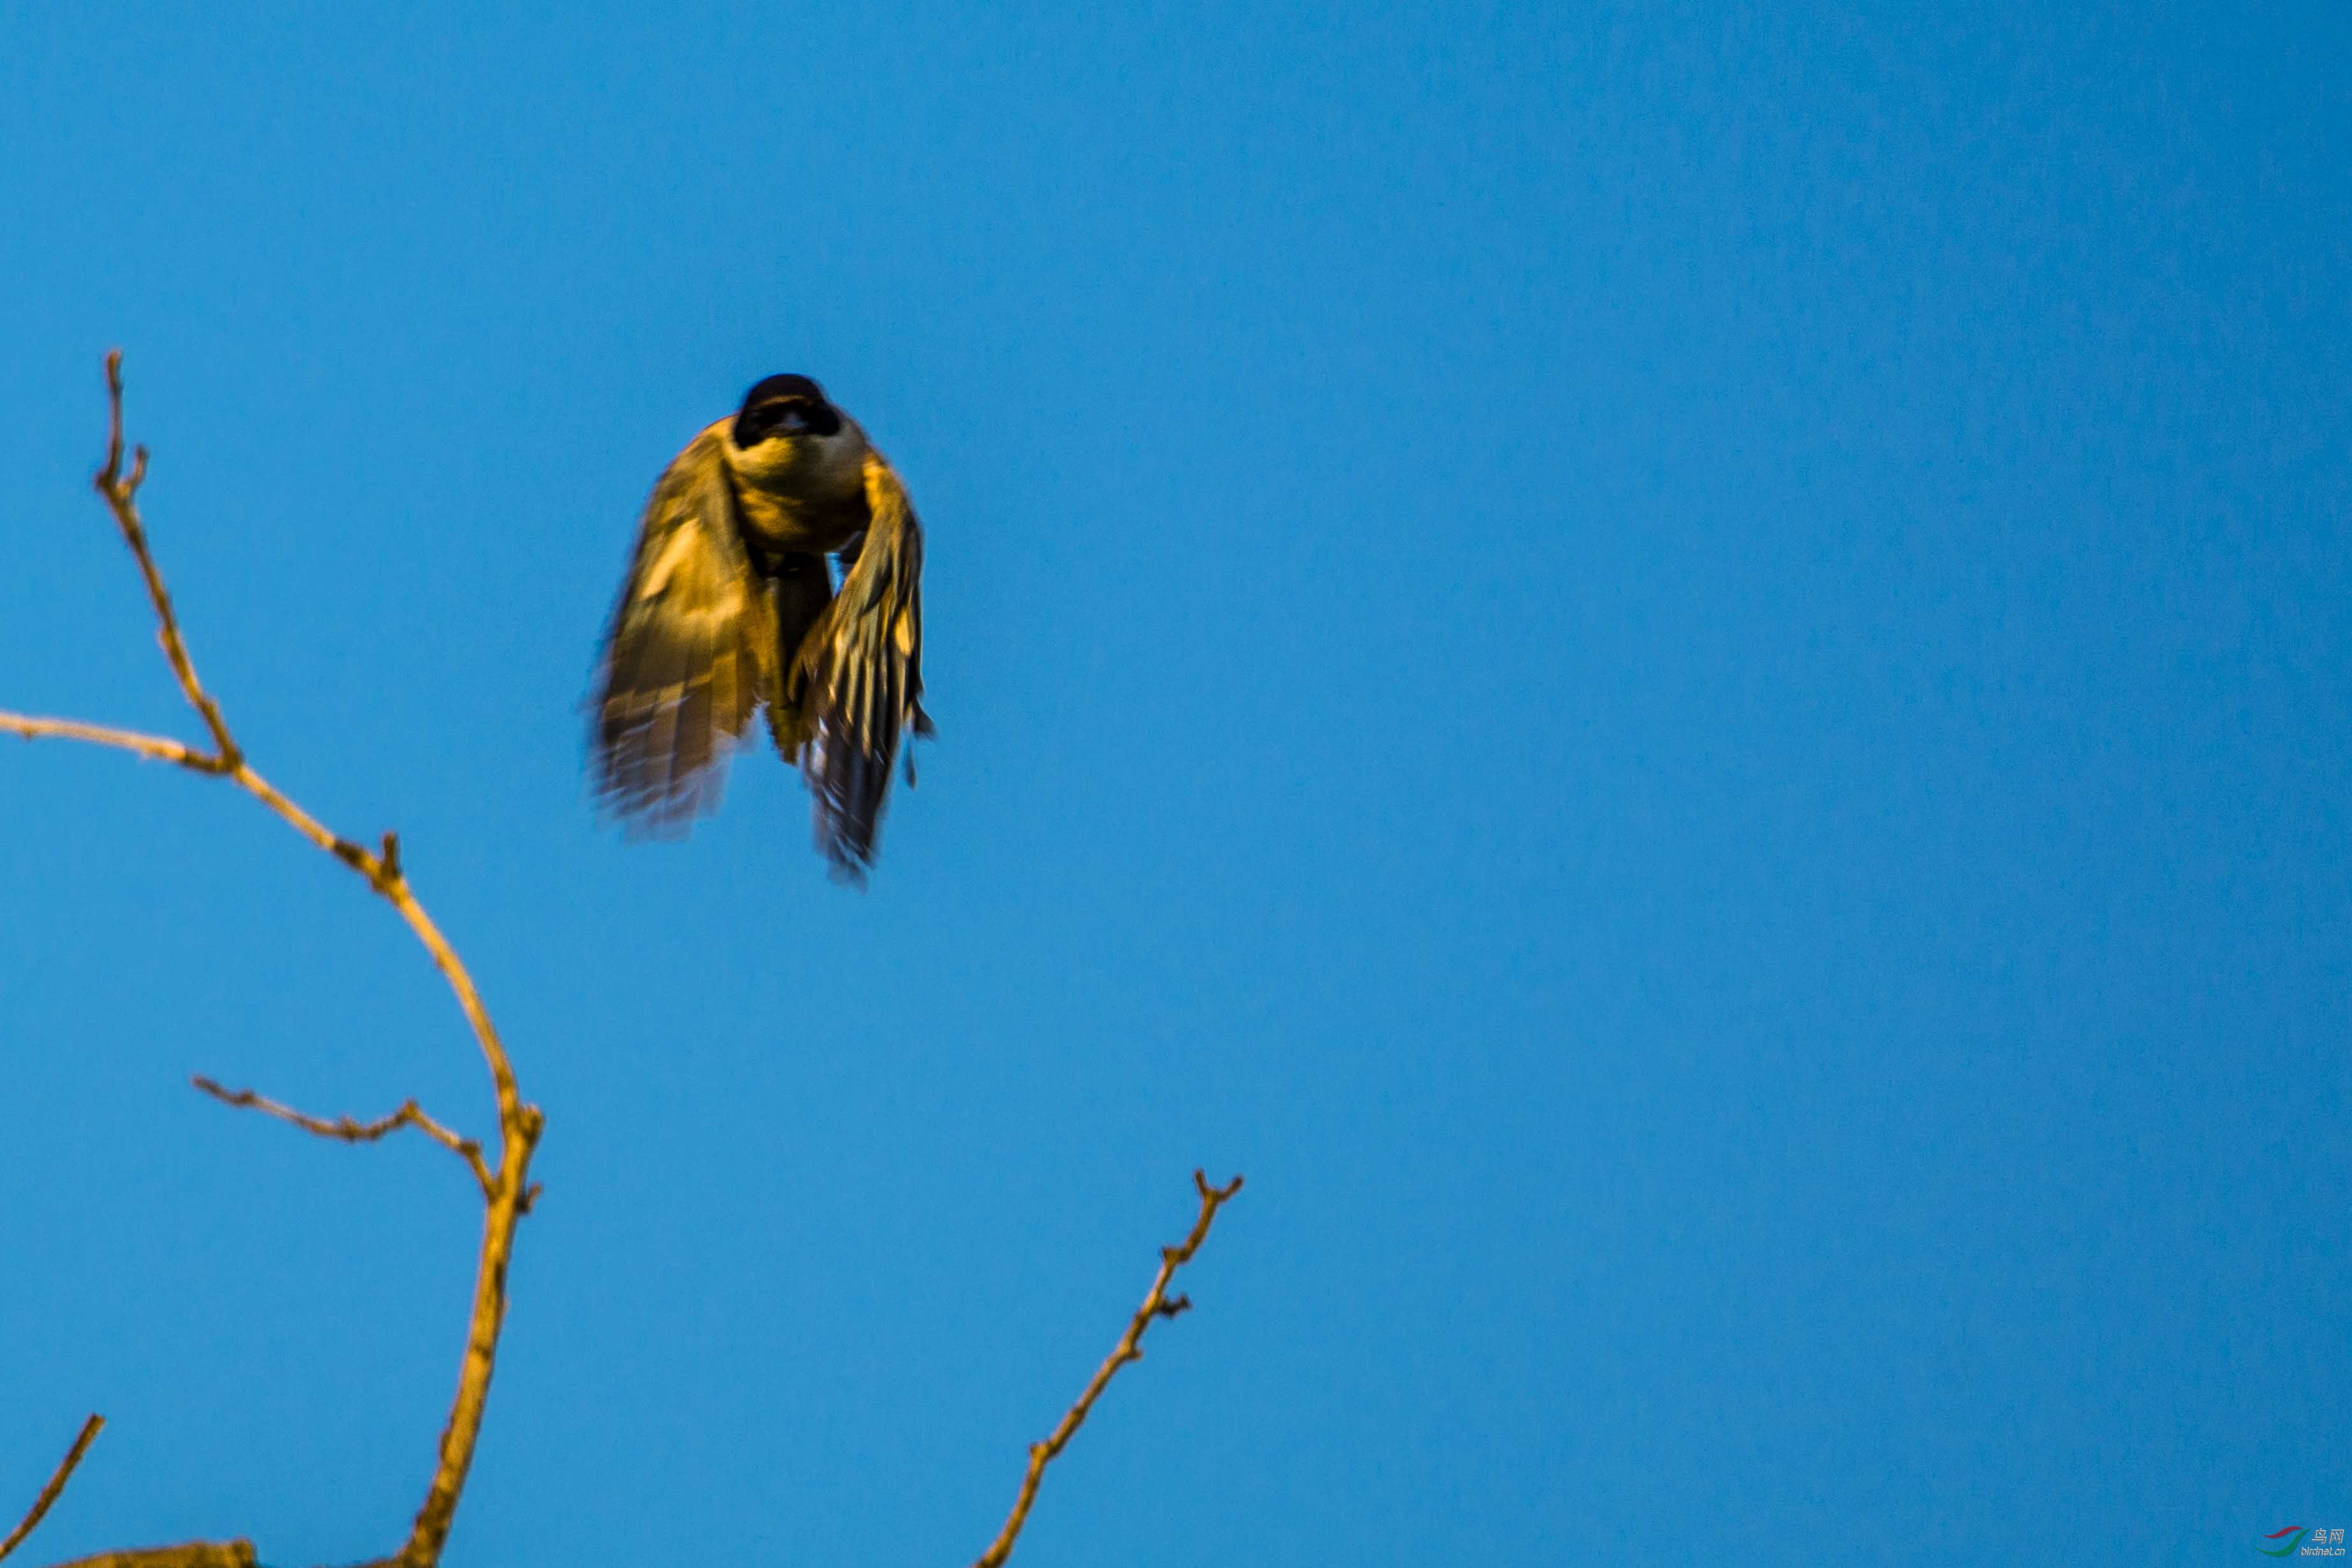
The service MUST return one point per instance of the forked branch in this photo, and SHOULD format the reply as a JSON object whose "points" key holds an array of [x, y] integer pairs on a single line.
{"points": [[506, 1188], [1157, 1304]]}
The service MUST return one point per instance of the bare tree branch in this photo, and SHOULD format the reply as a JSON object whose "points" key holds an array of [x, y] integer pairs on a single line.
{"points": [[152, 746], [1156, 1305], [122, 492], [507, 1189], [90, 1431], [187, 1554], [352, 1131]]}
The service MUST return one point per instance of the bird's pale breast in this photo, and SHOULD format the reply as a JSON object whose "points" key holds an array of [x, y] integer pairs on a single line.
{"points": [[803, 494]]}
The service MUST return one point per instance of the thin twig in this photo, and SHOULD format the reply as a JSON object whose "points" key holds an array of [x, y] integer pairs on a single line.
{"points": [[1157, 1304], [352, 1131], [507, 1187], [120, 491], [155, 747], [90, 1430]]}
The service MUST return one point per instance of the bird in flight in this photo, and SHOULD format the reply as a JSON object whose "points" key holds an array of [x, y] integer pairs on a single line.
{"points": [[729, 606]]}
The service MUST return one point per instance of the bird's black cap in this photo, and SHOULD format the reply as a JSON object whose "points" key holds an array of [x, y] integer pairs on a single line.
{"points": [[784, 389], [786, 406]]}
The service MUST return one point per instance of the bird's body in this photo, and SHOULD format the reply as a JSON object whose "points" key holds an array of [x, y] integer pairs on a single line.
{"points": [[798, 499], [729, 606]]}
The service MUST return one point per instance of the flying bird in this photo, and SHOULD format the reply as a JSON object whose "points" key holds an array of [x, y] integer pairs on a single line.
{"points": [[731, 606]]}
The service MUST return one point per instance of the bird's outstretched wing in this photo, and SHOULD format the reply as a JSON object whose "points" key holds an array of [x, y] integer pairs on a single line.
{"points": [[692, 646], [856, 684]]}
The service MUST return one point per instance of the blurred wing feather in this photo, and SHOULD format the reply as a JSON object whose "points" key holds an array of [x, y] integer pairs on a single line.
{"points": [[682, 662], [857, 680]]}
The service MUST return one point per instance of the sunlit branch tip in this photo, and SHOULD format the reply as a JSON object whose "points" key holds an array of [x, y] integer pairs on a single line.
{"points": [[1156, 1305], [49, 1493]]}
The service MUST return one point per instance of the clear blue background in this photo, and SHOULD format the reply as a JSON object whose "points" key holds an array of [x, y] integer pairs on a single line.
{"points": [[1683, 674]]}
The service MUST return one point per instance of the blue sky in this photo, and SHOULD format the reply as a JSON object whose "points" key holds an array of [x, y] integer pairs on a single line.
{"points": [[1684, 673]]}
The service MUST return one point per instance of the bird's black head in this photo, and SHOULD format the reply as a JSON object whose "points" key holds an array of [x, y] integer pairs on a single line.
{"points": [[787, 407]]}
